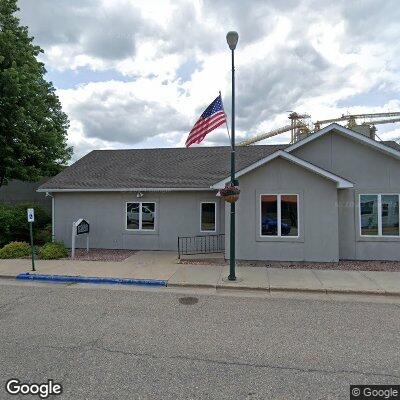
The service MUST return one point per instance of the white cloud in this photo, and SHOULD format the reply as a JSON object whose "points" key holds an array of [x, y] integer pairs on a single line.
{"points": [[120, 112], [309, 56]]}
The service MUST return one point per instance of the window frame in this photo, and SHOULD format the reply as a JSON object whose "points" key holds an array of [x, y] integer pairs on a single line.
{"points": [[215, 215], [279, 219], [140, 229], [380, 230]]}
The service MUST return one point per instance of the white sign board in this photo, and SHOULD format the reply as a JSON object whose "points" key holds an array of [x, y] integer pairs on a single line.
{"points": [[79, 227], [82, 226], [31, 214]]}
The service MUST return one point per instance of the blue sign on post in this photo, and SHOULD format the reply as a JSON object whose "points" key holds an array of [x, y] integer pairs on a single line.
{"points": [[30, 213]]}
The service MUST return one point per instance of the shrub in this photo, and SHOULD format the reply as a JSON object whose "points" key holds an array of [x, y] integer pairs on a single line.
{"points": [[13, 223], [52, 251], [6, 220], [43, 236], [15, 250]]}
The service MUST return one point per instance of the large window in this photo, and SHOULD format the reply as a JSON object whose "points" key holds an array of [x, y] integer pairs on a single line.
{"points": [[140, 216], [208, 222], [279, 215], [379, 214]]}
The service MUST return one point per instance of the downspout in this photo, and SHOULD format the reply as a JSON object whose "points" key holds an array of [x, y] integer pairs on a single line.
{"points": [[48, 194]]}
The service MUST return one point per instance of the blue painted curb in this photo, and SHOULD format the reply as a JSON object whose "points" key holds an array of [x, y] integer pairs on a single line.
{"points": [[94, 280]]}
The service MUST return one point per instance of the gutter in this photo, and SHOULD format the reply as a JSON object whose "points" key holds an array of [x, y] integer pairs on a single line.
{"points": [[44, 190]]}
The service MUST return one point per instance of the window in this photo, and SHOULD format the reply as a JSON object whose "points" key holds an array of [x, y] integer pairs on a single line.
{"points": [[279, 215], [208, 217], [369, 214], [140, 216], [379, 214]]}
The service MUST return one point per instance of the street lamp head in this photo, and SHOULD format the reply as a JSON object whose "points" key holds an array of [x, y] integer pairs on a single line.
{"points": [[232, 38]]}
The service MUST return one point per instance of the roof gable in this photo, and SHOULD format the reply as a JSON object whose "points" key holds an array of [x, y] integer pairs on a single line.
{"points": [[390, 148], [341, 183]]}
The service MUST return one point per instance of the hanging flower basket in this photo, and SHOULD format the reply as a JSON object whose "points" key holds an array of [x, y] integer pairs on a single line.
{"points": [[230, 193]]}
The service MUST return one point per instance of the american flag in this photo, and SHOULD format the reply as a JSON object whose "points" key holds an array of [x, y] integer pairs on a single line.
{"points": [[213, 117]]}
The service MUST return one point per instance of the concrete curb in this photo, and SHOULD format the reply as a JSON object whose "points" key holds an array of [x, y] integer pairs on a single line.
{"points": [[240, 287], [8, 276], [392, 292], [321, 290], [93, 280], [192, 285], [297, 289], [355, 291], [217, 286]]}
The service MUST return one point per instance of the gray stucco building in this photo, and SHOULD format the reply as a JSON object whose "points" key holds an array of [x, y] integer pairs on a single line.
{"points": [[333, 195]]}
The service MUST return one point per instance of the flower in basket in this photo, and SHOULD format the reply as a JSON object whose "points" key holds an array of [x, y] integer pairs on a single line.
{"points": [[229, 191]]}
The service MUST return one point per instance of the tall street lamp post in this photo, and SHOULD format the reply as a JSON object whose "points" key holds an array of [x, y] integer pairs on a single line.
{"points": [[232, 39]]}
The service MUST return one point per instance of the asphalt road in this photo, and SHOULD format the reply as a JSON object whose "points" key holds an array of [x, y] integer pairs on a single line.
{"points": [[130, 344]]}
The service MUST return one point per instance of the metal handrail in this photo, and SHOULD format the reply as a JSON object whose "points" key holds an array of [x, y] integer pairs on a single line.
{"points": [[200, 244]]}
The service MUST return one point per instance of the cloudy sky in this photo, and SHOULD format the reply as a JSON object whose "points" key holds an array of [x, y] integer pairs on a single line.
{"points": [[135, 74]]}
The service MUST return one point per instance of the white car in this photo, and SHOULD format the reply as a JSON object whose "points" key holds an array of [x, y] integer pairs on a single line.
{"points": [[147, 215]]}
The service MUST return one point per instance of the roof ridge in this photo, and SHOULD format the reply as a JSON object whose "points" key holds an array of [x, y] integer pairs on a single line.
{"points": [[194, 148]]}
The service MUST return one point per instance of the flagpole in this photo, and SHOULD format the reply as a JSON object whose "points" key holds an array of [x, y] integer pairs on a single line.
{"points": [[226, 118]]}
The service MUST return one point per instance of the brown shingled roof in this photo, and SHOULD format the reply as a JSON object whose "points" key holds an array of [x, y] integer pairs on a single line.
{"points": [[198, 167], [194, 168]]}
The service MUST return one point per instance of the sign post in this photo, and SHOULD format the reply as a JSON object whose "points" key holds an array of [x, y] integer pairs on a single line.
{"points": [[80, 227], [31, 220]]}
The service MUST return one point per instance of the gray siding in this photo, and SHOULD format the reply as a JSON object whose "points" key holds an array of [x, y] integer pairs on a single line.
{"points": [[371, 171], [318, 218], [328, 217], [178, 214]]}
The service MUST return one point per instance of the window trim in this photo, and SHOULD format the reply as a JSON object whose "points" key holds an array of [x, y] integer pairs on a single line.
{"points": [[140, 229], [278, 211], [380, 230], [215, 215]]}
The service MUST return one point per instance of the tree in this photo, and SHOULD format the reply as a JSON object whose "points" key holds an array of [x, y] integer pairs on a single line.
{"points": [[33, 127]]}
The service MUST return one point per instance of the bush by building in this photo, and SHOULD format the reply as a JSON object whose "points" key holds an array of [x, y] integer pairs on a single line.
{"points": [[14, 225], [43, 235], [15, 250], [52, 251]]}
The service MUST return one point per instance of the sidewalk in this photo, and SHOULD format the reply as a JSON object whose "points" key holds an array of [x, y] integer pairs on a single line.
{"points": [[163, 266], [295, 280], [142, 265]]}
